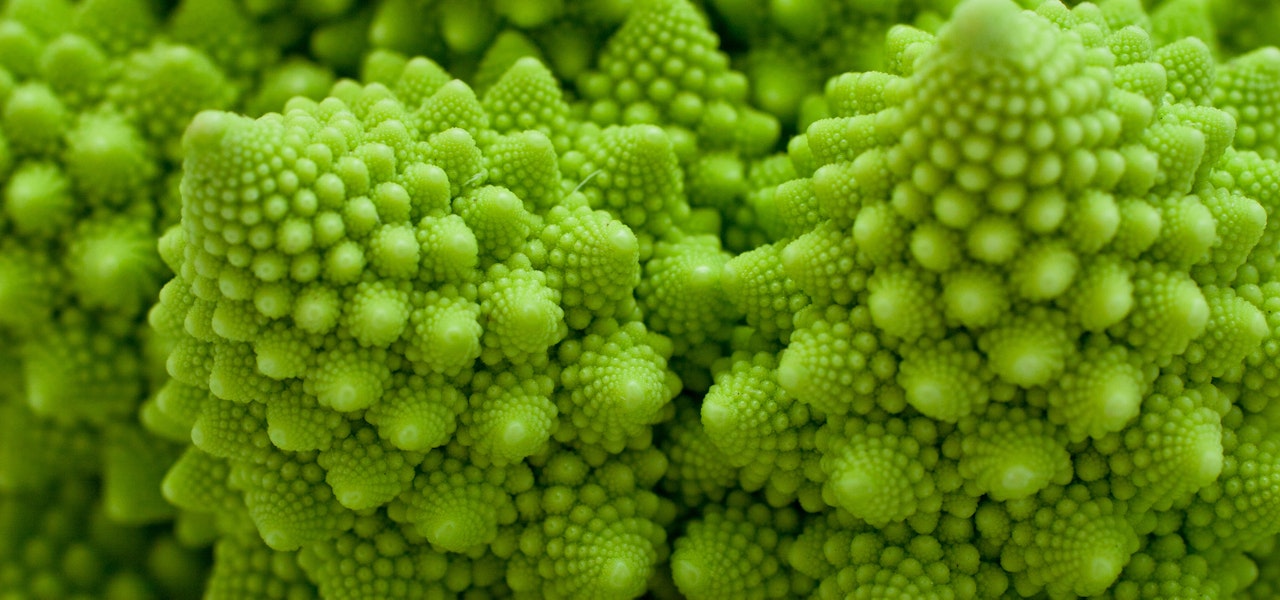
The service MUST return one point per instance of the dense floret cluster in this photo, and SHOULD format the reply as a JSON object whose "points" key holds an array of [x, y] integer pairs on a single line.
{"points": [[938, 299]]}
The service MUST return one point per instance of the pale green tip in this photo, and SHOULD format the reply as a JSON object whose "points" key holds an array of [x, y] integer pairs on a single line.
{"points": [[353, 499], [652, 138], [451, 535], [278, 437], [206, 131], [517, 439], [856, 493], [621, 576], [1099, 573], [197, 435], [704, 276], [279, 540], [716, 416], [1029, 370], [217, 386], [1017, 481], [39, 397], [345, 397], [623, 241], [1189, 307], [791, 373], [271, 365], [408, 437], [1120, 401], [634, 397], [689, 577], [1207, 460], [932, 399], [985, 28]]}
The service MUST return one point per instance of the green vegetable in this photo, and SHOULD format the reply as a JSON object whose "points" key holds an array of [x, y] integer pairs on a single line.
{"points": [[560, 299]]}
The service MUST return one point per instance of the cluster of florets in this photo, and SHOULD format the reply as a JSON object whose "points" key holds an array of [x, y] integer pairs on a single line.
{"points": [[1026, 268], [396, 319], [553, 321]]}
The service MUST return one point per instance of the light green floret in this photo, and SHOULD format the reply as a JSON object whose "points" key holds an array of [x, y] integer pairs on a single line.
{"points": [[296, 422], [681, 290], [633, 173], [197, 482], [615, 383], [1172, 451], [593, 260], [316, 309], [75, 370], [1103, 296], [698, 470], [498, 219], [1241, 223], [525, 162], [836, 364], [736, 551], [234, 375], [419, 413], [283, 352], [1262, 365], [1190, 67], [180, 403], [1009, 453], [453, 105], [133, 461], [946, 380], [758, 285], [444, 332], [603, 532], [1246, 88], [28, 283], [1167, 568], [364, 471], [244, 565], [522, 317], [455, 151], [35, 120], [511, 416], [1238, 509], [904, 303], [459, 507], [824, 264], [161, 88], [288, 499], [450, 251], [377, 559], [528, 98], [38, 200], [1083, 548], [394, 251], [113, 264], [974, 297], [1101, 390], [1169, 312], [377, 313], [1028, 347], [347, 377], [1235, 329], [232, 430], [108, 161], [760, 428], [881, 472]]}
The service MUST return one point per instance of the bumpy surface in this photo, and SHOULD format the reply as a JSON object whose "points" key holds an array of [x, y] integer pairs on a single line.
{"points": [[406, 353], [942, 299]]}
